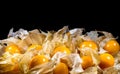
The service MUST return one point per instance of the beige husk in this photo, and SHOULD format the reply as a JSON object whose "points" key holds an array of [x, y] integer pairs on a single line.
{"points": [[49, 41]]}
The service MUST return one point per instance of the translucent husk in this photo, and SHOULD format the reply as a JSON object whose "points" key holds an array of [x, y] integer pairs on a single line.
{"points": [[46, 68], [110, 70], [90, 52], [91, 70], [49, 41], [9, 62]]}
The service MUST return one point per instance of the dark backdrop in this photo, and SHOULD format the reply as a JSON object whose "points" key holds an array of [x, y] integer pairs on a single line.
{"points": [[54, 22]]}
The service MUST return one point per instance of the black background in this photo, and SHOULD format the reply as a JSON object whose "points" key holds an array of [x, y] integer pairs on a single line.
{"points": [[46, 22]]}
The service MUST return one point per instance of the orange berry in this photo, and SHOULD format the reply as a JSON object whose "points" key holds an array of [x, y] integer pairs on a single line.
{"points": [[12, 49], [35, 46], [106, 60], [61, 68], [62, 49], [112, 46], [89, 44], [37, 60], [86, 62]]}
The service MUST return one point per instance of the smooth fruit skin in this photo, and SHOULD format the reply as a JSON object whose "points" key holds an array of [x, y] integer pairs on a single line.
{"points": [[62, 49], [12, 49], [112, 46], [86, 62], [37, 60], [106, 60], [89, 44], [61, 68]]}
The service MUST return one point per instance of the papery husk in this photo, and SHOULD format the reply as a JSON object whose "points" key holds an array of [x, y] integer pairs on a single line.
{"points": [[48, 45], [15, 37], [9, 69], [91, 70], [76, 41], [5, 68], [49, 41], [24, 63], [58, 56], [2, 50], [34, 37], [117, 67], [76, 31], [76, 61], [76, 35], [9, 41], [101, 50], [54, 40], [117, 62], [46, 68], [110, 70], [103, 42], [92, 35], [90, 52], [70, 43], [20, 43], [73, 61], [67, 60], [20, 34], [73, 39], [59, 37], [107, 34], [8, 63]]}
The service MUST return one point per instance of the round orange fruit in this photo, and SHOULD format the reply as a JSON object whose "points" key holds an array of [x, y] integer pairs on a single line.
{"points": [[89, 44], [37, 60], [12, 49], [61, 68], [106, 60], [86, 62], [112, 46], [62, 49]]}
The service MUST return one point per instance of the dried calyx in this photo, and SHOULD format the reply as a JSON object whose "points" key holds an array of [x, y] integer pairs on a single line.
{"points": [[59, 52]]}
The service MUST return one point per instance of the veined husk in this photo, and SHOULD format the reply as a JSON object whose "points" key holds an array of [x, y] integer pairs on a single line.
{"points": [[49, 41], [2, 50], [54, 40], [46, 68], [24, 38], [34, 37], [117, 62], [24, 62], [8, 63], [90, 52], [91, 70], [110, 70], [73, 61]]}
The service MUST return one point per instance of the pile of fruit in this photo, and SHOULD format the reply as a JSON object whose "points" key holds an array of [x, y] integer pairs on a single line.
{"points": [[59, 52]]}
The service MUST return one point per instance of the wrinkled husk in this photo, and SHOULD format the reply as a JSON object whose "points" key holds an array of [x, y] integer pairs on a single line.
{"points": [[91, 70], [24, 63], [7, 65], [110, 70], [46, 68], [49, 41], [90, 52]]}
